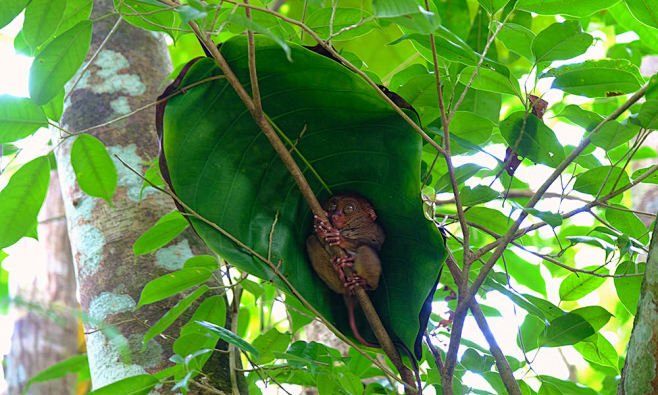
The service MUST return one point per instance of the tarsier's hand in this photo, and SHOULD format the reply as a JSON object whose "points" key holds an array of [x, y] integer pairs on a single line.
{"points": [[326, 231]]}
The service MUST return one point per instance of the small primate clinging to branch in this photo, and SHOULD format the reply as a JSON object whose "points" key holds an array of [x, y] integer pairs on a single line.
{"points": [[352, 226]]}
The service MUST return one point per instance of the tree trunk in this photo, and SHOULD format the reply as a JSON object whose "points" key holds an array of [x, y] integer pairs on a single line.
{"points": [[640, 373], [39, 341], [126, 74]]}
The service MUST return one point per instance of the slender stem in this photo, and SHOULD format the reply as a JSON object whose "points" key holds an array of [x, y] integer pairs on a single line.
{"points": [[267, 129]]}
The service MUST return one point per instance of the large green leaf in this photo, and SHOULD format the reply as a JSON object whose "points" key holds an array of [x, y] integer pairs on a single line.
{"points": [[9, 9], [644, 10], [19, 117], [58, 62], [578, 8], [41, 20], [346, 138], [561, 41], [597, 78], [21, 200]]}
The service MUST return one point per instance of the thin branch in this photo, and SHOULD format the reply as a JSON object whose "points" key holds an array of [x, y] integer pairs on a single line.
{"points": [[447, 154]]}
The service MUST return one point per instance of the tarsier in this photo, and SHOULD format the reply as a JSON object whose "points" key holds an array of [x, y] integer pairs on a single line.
{"points": [[351, 227]]}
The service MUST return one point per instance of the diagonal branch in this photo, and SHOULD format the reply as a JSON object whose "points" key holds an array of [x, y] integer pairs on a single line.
{"points": [[259, 117]]}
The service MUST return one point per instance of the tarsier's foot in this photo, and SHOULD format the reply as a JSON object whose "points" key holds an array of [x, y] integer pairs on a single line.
{"points": [[339, 263], [326, 232], [356, 281]]}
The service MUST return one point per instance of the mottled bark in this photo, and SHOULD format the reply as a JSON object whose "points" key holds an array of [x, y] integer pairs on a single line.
{"points": [[39, 341], [640, 373], [127, 74]]}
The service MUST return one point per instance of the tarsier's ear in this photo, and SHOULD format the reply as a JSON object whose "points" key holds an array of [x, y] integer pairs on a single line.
{"points": [[371, 212]]}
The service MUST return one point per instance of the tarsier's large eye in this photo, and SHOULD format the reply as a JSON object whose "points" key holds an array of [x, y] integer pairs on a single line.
{"points": [[331, 206], [349, 208]]}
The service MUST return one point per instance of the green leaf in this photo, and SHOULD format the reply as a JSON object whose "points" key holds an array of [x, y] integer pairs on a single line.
{"points": [[391, 8], [9, 9], [491, 219], [628, 288], [489, 80], [188, 13], [76, 11], [193, 337], [205, 262], [561, 41], [537, 141], [175, 312], [230, 337], [492, 5], [517, 39], [579, 8], [93, 167], [597, 316], [73, 364], [164, 231], [578, 285], [58, 62], [270, 342], [565, 330], [471, 127], [41, 20], [531, 328], [627, 223], [613, 134], [563, 386], [135, 385], [597, 78], [590, 182], [55, 107], [21, 200], [592, 241], [19, 118], [342, 18], [171, 284], [587, 120], [624, 17], [478, 195], [476, 362], [645, 11], [225, 169], [599, 350], [553, 219], [212, 309], [648, 115], [524, 272], [462, 173], [550, 310], [652, 179]]}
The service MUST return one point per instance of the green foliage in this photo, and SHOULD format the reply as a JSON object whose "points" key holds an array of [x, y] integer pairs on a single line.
{"points": [[324, 118], [21, 200], [58, 61], [345, 137], [93, 167]]}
